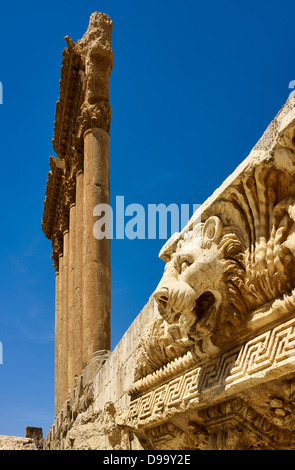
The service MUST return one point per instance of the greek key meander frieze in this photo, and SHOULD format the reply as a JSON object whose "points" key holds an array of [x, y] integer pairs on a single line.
{"points": [[255, 360]]}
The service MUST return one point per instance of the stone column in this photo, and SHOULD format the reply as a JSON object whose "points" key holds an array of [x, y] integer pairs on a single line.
{"points": [[71, 297], [59, 340], [96, 253], [57, 332], [79, 366], [65, 315]]}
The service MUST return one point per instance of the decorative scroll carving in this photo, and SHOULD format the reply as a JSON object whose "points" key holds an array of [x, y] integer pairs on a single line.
{"points": [[159, 345], [235, 425], [169, 436], [232, 424]]}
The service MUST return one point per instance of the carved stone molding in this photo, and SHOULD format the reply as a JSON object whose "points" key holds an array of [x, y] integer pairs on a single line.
{"points": [[52, 193], [67, 107], [169, 436], [246, 365], [235, 425]]}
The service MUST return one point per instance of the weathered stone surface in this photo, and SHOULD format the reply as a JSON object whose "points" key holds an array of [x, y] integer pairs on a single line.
{"points": [[17, 443], [33, 433]]}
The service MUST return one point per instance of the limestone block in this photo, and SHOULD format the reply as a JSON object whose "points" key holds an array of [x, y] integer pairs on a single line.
{"points": [[33, 433]]}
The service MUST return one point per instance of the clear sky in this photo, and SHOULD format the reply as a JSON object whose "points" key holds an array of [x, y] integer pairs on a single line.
{"points": [[194, 85]]}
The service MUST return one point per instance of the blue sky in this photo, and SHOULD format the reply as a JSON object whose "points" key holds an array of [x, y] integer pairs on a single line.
{"points": [[194, 85]]}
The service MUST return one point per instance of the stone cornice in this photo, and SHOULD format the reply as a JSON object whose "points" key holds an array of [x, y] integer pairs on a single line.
{"points": [[68, 104], [52, 195]]}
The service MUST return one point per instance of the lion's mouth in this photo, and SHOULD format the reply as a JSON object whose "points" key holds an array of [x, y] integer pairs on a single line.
{"points": [[202, 307]]}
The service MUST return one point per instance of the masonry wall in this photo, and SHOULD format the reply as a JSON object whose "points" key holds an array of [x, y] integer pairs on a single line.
{"points": [[117, 374], [93, 416]]}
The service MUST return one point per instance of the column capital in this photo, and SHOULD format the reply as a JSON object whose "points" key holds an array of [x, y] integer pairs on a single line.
{"points": [[84, 86], [96, 50]]}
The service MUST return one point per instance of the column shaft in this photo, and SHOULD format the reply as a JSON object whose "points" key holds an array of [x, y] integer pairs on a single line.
{"points": [[59, 339], [65, 317], [71, 298], [96, 253], [79, 366]]}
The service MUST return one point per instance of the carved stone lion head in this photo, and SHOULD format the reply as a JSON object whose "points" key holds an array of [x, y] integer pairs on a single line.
{"points": [[201, 283], [223, 274]]}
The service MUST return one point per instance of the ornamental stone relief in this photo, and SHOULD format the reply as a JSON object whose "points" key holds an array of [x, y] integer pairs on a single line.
{"points": [[226, 306]]}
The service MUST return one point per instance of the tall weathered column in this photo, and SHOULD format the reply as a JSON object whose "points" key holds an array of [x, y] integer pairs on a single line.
{"points": [[78, 322], [95, 121], [71, 298], [59, 338], [65, 317], [77, 183], [96, 256]]}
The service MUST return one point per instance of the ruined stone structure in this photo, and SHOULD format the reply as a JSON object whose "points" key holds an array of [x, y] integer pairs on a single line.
{"points": [[209, 363]]}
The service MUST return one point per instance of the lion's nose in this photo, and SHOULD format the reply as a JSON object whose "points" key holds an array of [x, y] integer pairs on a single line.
{"points": [[161, 296]]}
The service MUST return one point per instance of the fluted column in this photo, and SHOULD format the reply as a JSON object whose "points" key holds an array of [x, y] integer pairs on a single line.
{"points": [[78, 275], [96, 254], [65, 315], [59, 339], [71, 297]]}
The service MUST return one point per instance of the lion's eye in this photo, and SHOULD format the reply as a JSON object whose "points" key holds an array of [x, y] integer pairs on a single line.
{"points": [[184, 264]]}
